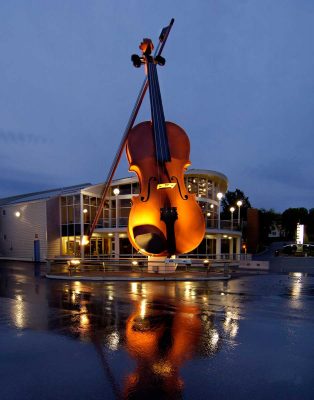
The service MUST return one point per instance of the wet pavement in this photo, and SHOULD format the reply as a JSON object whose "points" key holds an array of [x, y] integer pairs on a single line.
{"points": [[250, 337]]}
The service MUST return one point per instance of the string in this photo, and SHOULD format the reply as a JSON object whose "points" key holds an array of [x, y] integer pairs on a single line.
{"points": [[153, 113], [161, 119], [162, 150]]}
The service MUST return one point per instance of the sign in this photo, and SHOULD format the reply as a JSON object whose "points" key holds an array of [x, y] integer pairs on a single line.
{"points": [[300, 233]]}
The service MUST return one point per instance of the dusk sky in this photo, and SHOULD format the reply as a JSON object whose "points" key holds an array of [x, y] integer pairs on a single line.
{"points": [[239, 78]]}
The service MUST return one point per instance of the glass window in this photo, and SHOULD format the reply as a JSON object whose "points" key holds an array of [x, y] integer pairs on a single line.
{"points": [[125, 189], [125, 203], [77, 199], [70, 214], [77, 213], [135, 188], [69, 200], [64, 218]]}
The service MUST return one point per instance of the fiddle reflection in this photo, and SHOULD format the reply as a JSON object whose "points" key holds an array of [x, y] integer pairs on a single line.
{"points": [[160, 338]]}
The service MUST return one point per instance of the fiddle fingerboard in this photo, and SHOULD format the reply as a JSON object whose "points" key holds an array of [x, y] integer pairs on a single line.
{"points": [[158, 117]]}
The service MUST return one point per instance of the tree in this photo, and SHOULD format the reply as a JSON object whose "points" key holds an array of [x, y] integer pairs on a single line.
{"points": [[310, 225], [230, 199]]}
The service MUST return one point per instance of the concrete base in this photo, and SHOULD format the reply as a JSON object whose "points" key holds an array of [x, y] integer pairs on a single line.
{"points": [[158, 265]]}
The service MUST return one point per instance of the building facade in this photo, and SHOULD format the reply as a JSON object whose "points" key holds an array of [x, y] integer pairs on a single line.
{"points": [[55, 221]]}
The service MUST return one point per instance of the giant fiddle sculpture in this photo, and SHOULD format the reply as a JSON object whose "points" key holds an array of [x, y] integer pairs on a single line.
{"points": [[165, 219]]}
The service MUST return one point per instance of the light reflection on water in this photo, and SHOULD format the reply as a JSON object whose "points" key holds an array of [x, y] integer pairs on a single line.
{"points": [[162, 328]]}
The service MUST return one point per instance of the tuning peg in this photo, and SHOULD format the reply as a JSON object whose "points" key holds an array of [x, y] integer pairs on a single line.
{"points": [[136, 60], [160, 60]]}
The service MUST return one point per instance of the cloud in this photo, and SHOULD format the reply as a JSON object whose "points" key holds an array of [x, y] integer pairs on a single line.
{"points": [[18, 137]]}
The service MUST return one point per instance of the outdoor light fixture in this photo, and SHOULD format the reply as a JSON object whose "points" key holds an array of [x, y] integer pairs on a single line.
{"points": [[17, 214], [75, 262], [116, 191], [232, 211], [84, 240], [219, 197], [239, 204]]}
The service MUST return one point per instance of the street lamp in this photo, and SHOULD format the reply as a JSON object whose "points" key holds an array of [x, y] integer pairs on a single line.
{"points": [[116, 192], [232, 211], [219, 197], [239, 204]]}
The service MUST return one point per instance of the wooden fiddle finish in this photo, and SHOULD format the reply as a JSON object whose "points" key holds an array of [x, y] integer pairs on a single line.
{"points": [[164, 219]]}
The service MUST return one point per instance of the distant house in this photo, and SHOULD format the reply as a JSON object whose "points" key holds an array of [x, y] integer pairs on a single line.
{"points": [[276, 231]]}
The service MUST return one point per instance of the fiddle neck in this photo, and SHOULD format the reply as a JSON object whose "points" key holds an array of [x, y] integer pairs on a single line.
{"points": [[157, 114]]}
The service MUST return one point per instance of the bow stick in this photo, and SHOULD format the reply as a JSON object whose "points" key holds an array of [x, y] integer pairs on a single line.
{"points": [[162, 40]]}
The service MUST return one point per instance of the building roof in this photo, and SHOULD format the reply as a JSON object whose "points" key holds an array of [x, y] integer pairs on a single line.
{"points": [[97, 188], [218, 177], [46, 194]]}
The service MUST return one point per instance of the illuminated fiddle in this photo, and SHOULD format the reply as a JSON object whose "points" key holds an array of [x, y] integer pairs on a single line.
{"points": [[164, 219]]}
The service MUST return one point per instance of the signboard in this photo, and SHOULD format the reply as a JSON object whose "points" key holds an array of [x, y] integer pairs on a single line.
{"points": [[300, 233]]}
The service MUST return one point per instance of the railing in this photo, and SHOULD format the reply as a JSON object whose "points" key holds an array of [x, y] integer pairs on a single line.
{"points": [[210, 223], [138, 256], [141, 265]]}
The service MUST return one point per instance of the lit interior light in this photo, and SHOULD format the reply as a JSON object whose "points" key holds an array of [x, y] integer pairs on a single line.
{"points": [[17, 214], [75, 262], [134, 262], [208, 214], [84, 240], [85, 211], [110, 234]]}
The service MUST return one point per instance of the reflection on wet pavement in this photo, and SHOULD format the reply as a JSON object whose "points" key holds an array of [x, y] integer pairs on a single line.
{"points": [[162, 340]]}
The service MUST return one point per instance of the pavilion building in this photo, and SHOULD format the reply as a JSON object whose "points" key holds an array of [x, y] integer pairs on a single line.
{"points": [[51, 224]]}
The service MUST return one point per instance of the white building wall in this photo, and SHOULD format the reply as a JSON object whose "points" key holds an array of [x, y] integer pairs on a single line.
{"points": [[17, 234], [53, 228]]}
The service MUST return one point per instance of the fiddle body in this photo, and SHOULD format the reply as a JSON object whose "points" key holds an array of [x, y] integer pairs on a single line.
{"points": [[162, 187]]}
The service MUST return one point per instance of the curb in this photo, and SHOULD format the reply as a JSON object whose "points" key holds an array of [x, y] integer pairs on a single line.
{"points": [[132, 279]]}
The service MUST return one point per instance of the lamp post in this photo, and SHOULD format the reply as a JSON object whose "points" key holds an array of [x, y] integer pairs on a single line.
{"points": [[239, 204], [219, 197], [116, 192], [232, 211]]}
